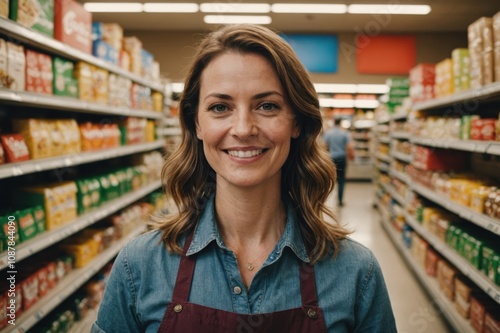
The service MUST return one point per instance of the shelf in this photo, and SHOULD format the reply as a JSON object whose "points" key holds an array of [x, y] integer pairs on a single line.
{"points": [[383, 120], [402, 135], [487, 147], [48, 238], [382, 166], [384, 139], [460, 324], [479, 219], [395, 195], [74, 280], [85, 325], [169, 131], [477, 95], [463, 265], [401, 156], [399, 116], [383, 157], [32, 166], [52, 46], [69, 104], [401, 176]]}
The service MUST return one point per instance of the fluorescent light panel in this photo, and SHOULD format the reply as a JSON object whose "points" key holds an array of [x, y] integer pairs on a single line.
{"points": [[366, 104], [336, 103], [113, 7], [373, 89], [308, 8], [389, 9], [152, 7], [227, 7], [236, 19]]}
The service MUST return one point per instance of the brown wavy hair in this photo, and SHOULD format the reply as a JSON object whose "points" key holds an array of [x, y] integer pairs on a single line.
{"points": [[308, 174]]}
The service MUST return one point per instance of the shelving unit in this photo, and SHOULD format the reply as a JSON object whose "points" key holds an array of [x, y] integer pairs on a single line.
{"points": [[488, 94], [67, 286], [72, 108]]}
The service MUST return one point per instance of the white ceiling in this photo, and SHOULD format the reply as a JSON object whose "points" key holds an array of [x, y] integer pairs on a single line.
{"points": [[446, 15]]}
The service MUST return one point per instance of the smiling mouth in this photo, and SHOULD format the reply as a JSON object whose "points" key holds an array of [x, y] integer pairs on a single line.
{"points": [[246, 153]]}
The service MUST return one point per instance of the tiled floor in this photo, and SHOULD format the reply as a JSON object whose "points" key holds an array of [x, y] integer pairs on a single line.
{"points": [[412, 306]]}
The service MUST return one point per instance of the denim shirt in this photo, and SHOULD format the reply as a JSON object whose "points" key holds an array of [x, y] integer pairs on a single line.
{"points": [[350, 287]]}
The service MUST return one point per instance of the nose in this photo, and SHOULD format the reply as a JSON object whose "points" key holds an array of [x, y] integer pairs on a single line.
{"points": [[244, 123]]}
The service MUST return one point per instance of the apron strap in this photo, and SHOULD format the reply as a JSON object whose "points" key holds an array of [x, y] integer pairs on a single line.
{"points": [[307, 285], [184, 274]]}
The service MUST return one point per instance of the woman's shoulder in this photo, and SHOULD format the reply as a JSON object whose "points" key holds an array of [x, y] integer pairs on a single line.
{"points": [[145, 246], [352, 254]]}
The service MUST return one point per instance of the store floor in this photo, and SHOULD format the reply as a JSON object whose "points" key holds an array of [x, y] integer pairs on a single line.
{"points": [[412, 306]]}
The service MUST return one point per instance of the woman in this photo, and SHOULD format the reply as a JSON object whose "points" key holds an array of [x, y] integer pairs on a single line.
{"points": [[249, 249]]}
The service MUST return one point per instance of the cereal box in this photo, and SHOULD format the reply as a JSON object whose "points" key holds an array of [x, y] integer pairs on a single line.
{"points": [[38, 72], [15, 66], [64, 84], [37, 15], [73, 25]]}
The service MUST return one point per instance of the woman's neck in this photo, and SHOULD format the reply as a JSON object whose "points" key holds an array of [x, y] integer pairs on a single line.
{"points": [[249, 217]]}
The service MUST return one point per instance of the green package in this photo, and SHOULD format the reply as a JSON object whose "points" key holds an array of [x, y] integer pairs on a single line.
{"points": [[63, 82], [39, 215], [39, 17], [83, 196], [26, 223], [95, 192]]}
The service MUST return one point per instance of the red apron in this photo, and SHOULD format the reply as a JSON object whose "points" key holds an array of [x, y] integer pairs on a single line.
{"points": [[184, 317]]}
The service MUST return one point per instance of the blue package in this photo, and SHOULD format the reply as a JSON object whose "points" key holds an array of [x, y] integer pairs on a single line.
{"points": [[104, 51]]}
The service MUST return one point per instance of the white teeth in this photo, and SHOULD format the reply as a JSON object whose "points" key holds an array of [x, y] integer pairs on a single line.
{"points": [[247, 153]]}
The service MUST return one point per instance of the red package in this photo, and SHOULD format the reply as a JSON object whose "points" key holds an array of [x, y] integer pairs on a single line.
{"points": [[434, 159], [38, 72], [51, 274], [30, 291], [479, 305], [483, 129], [431, 260], [15, 148], [43, 286], [73, 25]]}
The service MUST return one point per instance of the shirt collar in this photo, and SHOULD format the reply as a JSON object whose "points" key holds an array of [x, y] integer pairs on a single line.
{"points": [[207, 231]]}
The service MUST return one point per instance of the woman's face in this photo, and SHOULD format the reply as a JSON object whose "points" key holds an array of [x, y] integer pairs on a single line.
{"points": [[244, 120]]}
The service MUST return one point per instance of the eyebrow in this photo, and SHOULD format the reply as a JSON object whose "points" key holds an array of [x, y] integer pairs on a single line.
{"points": [[258, 96]]}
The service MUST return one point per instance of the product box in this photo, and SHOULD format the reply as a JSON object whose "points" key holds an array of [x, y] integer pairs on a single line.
{"points": [[431, 261], [58, 199], [134, 48], [16, 63], [111, 33], [37, 15], [39, 215], [36, 135], [446, 275], [496, 62], [29, 286], [81, 250], [463, 292], [496, 29], [483, 129], [480, 304], [15, 148], [26, 224], [124, 60], [443, 85], [43, 283], [73, 25], [104, 51], [84, 75], [100, 85], [488, 67], [39, 74], [3, 310], [4, 12], [147, 64], [64, 84], [426, 158]]}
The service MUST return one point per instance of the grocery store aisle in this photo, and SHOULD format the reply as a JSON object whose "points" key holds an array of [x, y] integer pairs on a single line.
{"points": [[413, 309]]}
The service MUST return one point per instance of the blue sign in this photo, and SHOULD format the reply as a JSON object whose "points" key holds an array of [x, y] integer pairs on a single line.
{"points": [[318, 53]]}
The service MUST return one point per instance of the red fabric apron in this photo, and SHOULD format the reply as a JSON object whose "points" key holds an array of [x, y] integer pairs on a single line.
{"points": [[184, 317]]}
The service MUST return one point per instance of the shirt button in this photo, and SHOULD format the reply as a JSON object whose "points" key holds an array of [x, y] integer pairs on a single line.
{"points": [[237, 290], [178, 308]]}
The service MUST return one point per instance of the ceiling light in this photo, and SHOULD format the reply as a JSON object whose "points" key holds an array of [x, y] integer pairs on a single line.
{"points": [[113, 7], [335, 88], [389, 9], [236, 19], [308, 8], [151, 7], [373, 89], [235, 7]]}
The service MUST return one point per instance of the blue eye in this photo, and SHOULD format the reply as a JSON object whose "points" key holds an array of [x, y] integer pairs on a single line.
{"points": [[218, 108], [268, 106]]}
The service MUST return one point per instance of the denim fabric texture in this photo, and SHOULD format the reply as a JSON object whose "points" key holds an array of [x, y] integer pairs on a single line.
{"points": [[350, 287]]}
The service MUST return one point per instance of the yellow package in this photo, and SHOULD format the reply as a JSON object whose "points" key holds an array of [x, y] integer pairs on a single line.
{"points": [[478, 198], [83, 73], [82, 252], [36, 136], [57, 139], [150, 131], [100, 85]]}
